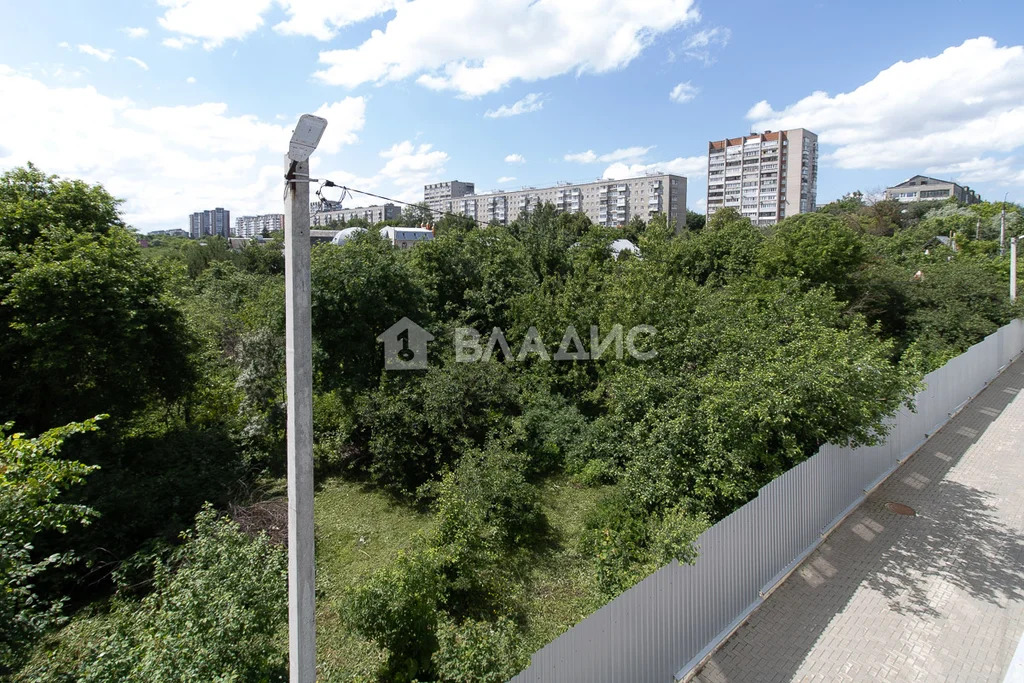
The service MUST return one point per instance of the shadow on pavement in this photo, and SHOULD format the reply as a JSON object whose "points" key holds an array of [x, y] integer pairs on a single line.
{"points": [[955, 537]]}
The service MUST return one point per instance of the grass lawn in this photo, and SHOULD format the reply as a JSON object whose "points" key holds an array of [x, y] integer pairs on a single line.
{"points": [[561, 588], [358, 530]]}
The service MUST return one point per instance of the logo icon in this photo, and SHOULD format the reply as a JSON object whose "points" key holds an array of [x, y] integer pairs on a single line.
{"points": [[405, 346]]}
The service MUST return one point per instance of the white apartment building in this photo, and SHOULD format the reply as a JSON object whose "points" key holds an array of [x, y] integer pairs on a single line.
{"points": [[764, 176], [921, 188], [253, 226], [406, 238], [439, 196], [606, 202], [324, 214]]}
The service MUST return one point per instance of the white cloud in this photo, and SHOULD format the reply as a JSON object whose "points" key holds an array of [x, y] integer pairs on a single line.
{"points": [[1007, 171], [164, 161], [212, 21], [497, 42], [409, 167], [190, 80], [953, 111], [136, 31], [623, 154], [64, 44], [532, 102], [104, 55], [138, 62], [506, 179], [515, 159], [588, 157], [684, 92], [684, 166], [699, 46], [321, 19], [179, 43], [216, 21]]}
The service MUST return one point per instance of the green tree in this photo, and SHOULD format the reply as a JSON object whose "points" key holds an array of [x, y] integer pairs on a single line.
{"points": [[86, 327], [360, 289], [695, 222], [816, 248], [32, 479], [33, 204]]}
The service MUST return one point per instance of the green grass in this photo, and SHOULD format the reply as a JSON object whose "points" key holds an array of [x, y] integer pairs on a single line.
{"points": [[358, 530], [561, 589]]}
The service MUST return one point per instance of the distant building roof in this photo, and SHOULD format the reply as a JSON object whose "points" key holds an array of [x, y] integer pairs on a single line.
{"points": [[345, 235], [621, 245]]}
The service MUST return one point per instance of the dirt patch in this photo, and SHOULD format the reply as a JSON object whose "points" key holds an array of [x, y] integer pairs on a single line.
{"points": [[269, 516]]}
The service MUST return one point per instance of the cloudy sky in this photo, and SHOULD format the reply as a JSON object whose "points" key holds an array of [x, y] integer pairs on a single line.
{"points": [[182, 105]]}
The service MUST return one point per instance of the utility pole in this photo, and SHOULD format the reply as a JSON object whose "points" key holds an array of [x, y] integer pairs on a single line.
{"points": [[299, 365], [1013, 268], [1002, 227]]}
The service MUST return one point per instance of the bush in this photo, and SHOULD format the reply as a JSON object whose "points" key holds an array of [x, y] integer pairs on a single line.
{"points": [[415, 426], [31, 480], [478, 652], [628, 543], [595, 473], [493, 482], [216, 614], [397, 608]]}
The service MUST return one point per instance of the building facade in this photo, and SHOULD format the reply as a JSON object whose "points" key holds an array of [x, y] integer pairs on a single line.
{"points": [[764, 176], [171, 232], [921, 188], [439, 196], [210, 222], [326, 213], [605, 202], [406, 238], [252, 226]]}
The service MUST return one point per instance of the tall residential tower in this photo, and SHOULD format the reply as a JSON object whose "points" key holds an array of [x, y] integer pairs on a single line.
{"points": [[765, 176], [210, 222]]}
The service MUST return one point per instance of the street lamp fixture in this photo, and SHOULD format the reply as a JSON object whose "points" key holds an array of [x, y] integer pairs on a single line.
{"points": [[306, 137]]}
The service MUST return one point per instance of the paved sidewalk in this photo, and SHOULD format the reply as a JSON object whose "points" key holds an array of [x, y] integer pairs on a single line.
{"points": [[935, 597]]}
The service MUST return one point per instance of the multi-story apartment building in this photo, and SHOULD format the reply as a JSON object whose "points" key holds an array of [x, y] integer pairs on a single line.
{"points": [[765, 176], [439, 196], [170, 232], [252, 226], [921, 188], [606, 202], [210, 222], [329, 212]]}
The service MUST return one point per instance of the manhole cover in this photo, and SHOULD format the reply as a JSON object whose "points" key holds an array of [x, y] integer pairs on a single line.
{"points": [[901, 509]]}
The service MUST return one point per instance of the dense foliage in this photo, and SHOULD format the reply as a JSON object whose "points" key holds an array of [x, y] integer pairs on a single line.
{"points": [[32, 479], [757, 346]]}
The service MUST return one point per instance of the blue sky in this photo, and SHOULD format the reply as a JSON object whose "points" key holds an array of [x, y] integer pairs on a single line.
{"points": [[181, 105]]}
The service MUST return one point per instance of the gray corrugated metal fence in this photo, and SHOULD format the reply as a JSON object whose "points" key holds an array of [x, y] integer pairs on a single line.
{"points": [[665, 624]]}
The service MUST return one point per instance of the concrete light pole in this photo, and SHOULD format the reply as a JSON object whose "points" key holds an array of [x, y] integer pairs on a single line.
{"points": [[299, 364], [1013, 268], [1002, 227]]}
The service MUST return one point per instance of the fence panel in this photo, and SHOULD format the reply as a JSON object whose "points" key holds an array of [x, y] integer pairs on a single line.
{"points": [[666, 623]]}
